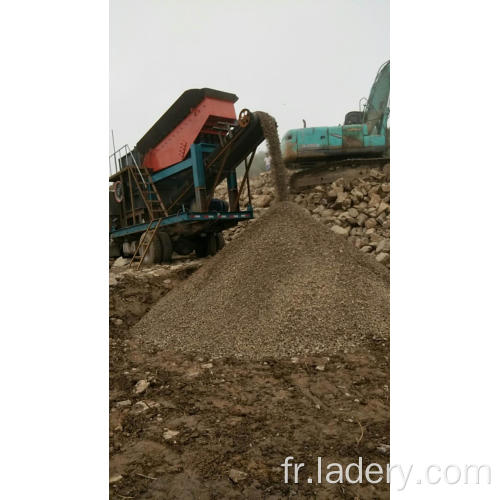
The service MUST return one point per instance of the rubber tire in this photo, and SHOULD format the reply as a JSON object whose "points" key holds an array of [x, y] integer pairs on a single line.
{"points": [[220, 241], [206, 245], [166, 247], [211, 244], [114, 248], [201, 248], [154, 254]]}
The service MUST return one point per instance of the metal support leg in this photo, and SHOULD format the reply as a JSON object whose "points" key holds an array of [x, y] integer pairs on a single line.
{"points": [[232, 190], [200, 190]]}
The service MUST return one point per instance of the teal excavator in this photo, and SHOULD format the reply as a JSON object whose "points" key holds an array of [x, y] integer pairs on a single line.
{"points": [[319, 155]]}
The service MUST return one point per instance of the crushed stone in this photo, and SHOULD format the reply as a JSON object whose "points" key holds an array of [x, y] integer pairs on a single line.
{"points": [[287, 286]]}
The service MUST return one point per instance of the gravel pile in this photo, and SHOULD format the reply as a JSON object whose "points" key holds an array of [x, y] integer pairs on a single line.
{"points": [[286, 286]]}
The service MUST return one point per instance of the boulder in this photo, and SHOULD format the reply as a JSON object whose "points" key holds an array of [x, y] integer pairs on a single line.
{"points": [[370, 223], [237, 475], [383, 246], [374, 200], [123, 404], [121, 262], [341, 231], [361, 219], [327, 212], [357, 194], [383, 207], [169, 434], [376, 174], [383, 258], [262, 201], [341, 200], [141, 386]]}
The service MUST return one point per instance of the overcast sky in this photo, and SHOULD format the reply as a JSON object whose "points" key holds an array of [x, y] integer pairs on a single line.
{"points": [[293, 59]]}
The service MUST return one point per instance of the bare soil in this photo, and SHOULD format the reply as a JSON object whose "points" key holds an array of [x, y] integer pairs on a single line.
{"points": [[233, 413]]}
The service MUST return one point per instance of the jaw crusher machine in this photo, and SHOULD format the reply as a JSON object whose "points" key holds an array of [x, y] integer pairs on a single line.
{"points": [[162, 191]]}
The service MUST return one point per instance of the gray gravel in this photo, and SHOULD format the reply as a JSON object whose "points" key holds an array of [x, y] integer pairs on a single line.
{"points": [[286, 286]]}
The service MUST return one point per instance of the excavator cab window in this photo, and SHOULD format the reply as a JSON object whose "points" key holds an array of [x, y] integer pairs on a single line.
{"points": [[353, 118]]}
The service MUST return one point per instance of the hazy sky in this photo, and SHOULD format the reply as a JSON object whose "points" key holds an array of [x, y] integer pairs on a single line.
{"points": [[293, 59]]}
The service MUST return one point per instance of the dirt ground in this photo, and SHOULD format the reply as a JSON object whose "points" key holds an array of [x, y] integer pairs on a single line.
{"points": [[185, 427]]}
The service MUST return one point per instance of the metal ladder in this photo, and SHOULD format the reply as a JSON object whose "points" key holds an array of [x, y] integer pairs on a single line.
{"points": [[148, 237], [142, 179], [148, 192]]}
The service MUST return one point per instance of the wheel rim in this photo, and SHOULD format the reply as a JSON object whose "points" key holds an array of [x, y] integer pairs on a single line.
{"points": [[244, 117], [118, 191]]}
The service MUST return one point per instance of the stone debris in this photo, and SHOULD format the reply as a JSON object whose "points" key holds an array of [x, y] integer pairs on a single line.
{"points": [[139, 407], [384, 448], [141, 386], [237, 475], [169, 434], [123, 404], [121, 262]]}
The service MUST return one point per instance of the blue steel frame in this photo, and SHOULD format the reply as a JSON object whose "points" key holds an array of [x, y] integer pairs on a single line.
{"points": [[185, 217], [194, 162]]}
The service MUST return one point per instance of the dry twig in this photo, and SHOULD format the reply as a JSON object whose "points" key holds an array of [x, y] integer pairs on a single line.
{"points": [[362, 432]]}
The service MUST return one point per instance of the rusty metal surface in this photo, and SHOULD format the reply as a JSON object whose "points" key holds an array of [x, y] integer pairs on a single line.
{"points": [[244, 117], [352, 137], [289, 152], [246, 181]]}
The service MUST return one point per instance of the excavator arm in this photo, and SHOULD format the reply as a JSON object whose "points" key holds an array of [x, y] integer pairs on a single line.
{"points": [[375, 115]]}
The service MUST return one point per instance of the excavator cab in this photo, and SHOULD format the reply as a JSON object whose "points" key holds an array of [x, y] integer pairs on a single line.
{"points": [[354, 118]]}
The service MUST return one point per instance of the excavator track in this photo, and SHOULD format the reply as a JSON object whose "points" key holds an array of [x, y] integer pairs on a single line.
{"points": [[327, 172]]}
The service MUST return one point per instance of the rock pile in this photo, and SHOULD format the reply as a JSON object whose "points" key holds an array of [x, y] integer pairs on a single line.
{"points": [[357, 209], [286, 286]]}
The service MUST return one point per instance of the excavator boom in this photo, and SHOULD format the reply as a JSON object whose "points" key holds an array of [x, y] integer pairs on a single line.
{"points": [[379, 99]]}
